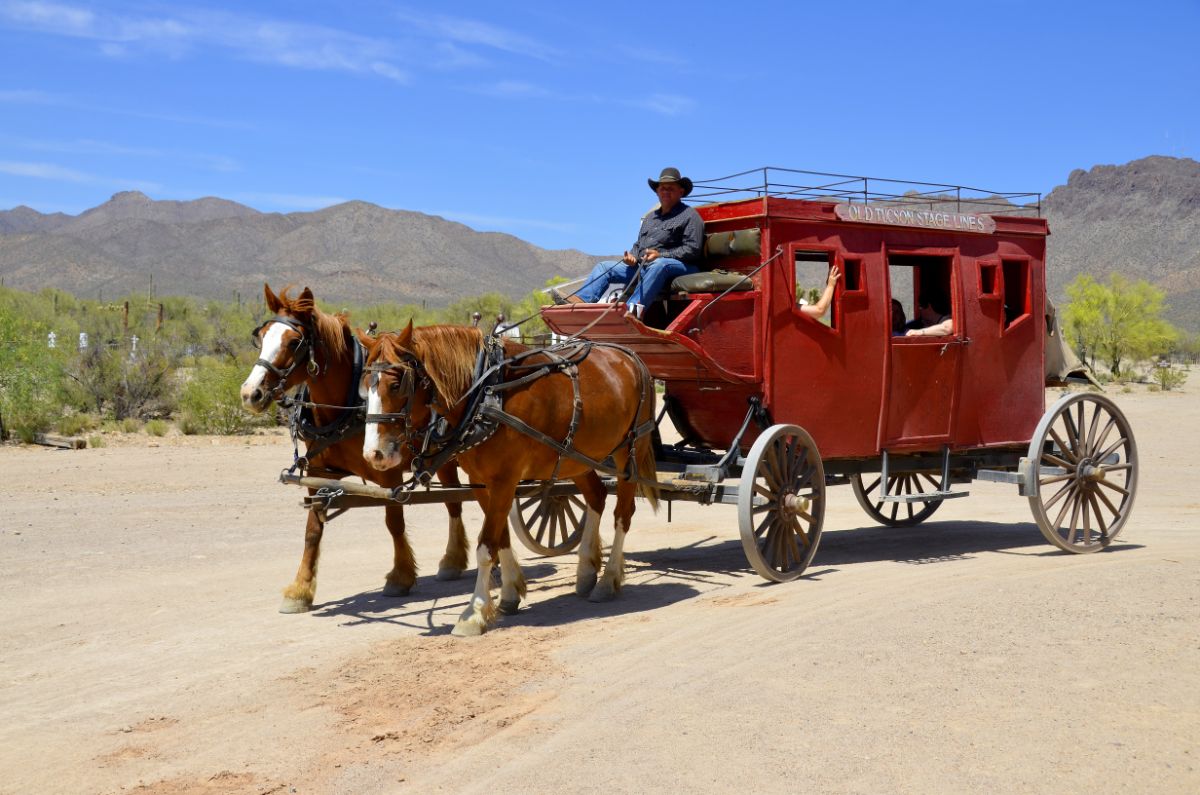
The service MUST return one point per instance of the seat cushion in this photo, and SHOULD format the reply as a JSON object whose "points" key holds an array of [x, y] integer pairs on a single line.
{"points": [[717, 281]]}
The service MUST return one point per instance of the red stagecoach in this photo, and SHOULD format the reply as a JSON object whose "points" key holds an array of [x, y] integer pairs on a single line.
{"points": [[768, 397]]}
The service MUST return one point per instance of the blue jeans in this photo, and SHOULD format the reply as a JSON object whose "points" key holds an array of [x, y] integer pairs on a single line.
{"points": [[655, 276]]}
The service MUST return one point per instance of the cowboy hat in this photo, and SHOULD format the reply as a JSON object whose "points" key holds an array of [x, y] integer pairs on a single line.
{"points": [[671, 175]]}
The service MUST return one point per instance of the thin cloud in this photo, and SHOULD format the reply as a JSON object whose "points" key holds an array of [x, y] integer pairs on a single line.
{"points": [[665, 104], [282, 43], [56, 100], [84, 146], [56, 173], [460, 30]]}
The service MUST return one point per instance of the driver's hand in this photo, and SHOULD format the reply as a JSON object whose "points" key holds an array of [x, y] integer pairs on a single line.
{"points": [[629, 259], [650, 255]]}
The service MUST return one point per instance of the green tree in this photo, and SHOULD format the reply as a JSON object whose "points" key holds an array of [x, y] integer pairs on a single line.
{"points": [[1119, 321]]}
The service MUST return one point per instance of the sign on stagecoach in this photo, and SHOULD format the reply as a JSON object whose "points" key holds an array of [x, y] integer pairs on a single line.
{"points": [[910, 216]]}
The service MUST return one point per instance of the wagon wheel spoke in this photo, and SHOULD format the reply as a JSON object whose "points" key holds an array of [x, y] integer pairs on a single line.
{"points": [[1111, 449], [1099, 438], [1114, 487], [1099, 516], [1062, 492], [1058, 462], [1067, 451]]}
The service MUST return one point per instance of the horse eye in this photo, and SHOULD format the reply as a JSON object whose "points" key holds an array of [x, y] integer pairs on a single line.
{"points": [[394, 386], [293, 344]]}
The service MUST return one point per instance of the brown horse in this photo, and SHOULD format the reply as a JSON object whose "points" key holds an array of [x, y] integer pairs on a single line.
{"points": [[596, 403], [303, 345]]}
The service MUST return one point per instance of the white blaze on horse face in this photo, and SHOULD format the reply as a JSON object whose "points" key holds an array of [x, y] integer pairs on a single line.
{"points": [[272, 343], [371, 441]]}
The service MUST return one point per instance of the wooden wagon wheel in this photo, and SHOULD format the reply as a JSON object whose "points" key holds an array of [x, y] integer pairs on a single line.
{"points": [[548, 526], [1083, 472], [897, 514], [781, 502]]}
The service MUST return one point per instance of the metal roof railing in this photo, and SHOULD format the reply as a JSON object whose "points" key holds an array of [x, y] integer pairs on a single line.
{"points": [[820, 186]]}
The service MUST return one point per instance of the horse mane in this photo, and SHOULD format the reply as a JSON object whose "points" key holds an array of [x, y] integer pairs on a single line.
{"points": [[330, 330], [448, 355]]}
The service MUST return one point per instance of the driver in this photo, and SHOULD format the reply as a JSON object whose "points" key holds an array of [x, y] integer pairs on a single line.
{"points": [[669, 244]]}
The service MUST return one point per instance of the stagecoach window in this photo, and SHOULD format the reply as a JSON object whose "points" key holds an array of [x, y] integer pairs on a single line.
{"points": [[988, 286], [852, 276], [811, 274], [911, 274], [1017, 303]]}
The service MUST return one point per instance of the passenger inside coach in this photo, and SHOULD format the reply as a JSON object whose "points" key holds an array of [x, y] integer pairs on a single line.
{"points": [[898, 319], [933, 314]]}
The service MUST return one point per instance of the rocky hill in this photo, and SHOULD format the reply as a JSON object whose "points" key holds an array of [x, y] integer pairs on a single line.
{"points": [[1141, 219], [212, 247]]}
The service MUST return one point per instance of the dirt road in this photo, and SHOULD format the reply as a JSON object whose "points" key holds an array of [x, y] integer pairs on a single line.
{"points": [[142, 651]]}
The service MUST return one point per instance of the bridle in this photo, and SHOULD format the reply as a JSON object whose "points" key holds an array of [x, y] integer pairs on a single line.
{"points": [[302, 351], [413, 377]]}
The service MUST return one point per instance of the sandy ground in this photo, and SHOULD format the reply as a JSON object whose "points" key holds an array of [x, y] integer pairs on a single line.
{"points": [[141, 649]]}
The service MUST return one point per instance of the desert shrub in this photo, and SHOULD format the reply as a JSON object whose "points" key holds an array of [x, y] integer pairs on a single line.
{"points": [[1167, 377], [211, 402], [156, 427], [96, 440], [75, 424], [129, 425], [107, 380]]}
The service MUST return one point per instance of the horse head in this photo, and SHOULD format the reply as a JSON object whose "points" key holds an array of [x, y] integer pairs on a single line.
{"points": [[286, 342], [398, 393]]}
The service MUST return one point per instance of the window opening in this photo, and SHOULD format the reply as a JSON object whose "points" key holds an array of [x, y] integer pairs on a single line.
{"points": [[988, 287], [852, 275], [811, 273], [920, 292], [1016, 290]]}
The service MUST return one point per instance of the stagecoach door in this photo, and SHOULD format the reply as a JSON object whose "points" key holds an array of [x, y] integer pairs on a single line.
{"points": [[923, 373]]}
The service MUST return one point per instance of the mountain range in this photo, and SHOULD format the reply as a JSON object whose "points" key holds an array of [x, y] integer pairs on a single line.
{"points": [[1141, 219]]}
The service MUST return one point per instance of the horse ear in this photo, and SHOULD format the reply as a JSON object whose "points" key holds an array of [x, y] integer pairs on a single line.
{"points": [[405, 339], [273, 302], [305, 304]]}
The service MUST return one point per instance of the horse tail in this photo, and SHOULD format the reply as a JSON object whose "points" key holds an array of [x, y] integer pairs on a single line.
{"points": [[647, 471], [644, 446]]}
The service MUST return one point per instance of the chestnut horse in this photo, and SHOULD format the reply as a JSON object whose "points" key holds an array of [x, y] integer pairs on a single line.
{"points": [[302, 345], [597, 401]]}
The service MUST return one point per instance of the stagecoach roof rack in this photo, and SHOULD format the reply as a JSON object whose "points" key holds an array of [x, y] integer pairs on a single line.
{"points": [[790, 183]]}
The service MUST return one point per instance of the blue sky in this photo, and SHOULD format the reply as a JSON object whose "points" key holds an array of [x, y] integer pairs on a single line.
{"points": [[544, 119]]}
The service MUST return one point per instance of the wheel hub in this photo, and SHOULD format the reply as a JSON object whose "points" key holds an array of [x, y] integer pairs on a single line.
{"points": [[794, 503]]}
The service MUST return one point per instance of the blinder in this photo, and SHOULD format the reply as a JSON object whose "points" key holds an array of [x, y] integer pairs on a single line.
{"points": [[302, 351]]}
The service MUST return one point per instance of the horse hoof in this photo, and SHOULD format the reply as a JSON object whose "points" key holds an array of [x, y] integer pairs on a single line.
{"points": [[603, 592], [584, 586], [510, 608], [449, 573], [295, 606], [391, 589], [468, 629]]}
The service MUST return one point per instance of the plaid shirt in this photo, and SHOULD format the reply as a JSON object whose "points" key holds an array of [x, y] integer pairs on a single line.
{"points": [[679, 234]]}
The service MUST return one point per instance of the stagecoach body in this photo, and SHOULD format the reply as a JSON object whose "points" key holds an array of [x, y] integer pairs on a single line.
{"points": [[855, 387]]}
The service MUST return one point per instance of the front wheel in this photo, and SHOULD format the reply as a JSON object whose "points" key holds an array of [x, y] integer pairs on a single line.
{"points": [[781, 502], [548, 525]]}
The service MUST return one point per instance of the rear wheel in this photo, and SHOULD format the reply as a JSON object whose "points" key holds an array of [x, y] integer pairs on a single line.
{"points": [[1083, 472], [897, 514], [781, 502], [548, 525]]}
